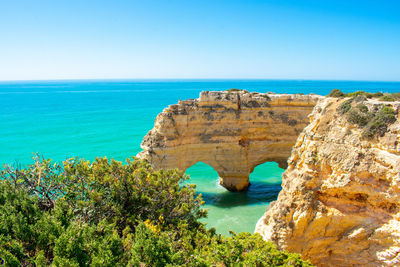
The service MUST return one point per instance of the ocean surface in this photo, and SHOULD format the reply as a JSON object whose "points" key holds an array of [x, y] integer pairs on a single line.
{"points": [[91, 118]]}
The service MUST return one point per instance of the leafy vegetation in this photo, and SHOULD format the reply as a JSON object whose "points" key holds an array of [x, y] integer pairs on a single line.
{"points": [[379, 123], [358, 118], [391, 96], [344, 107], [336, 93], [387, 98], [362, 107], [374, 122], [105, 213]]}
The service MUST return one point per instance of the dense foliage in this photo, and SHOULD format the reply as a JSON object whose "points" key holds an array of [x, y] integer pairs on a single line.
{"points": [[106, 213]]}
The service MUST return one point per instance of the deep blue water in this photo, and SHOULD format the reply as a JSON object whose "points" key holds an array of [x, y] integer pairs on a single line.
{"points": [[62, 119]]}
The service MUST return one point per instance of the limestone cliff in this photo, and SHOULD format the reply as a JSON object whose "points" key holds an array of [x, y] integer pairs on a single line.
{"points": [[231, 131], [340, 202]]}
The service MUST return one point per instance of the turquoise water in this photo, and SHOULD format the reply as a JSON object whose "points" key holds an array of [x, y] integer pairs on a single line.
{"points": [[62, 119]]}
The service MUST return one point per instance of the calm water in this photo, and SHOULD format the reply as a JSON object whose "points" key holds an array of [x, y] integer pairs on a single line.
{"points": [[62, 119]]}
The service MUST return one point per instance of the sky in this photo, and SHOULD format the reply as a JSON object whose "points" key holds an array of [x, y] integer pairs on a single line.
{"points": [[185, 39]]}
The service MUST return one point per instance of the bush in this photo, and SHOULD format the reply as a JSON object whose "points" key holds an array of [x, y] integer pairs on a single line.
{"points": [[235, 90], [387, 98], [358, 118], [344, 107], [151, 248], [365, 94], [380, 122], [121, 193], [357, 93], [106, 213], [245, 249], [336, 93], [386, 114], [359, 96], [375, 95], [374, 123], [362, 107]]}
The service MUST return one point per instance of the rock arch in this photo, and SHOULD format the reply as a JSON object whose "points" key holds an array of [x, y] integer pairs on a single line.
{"points": [[233, 132]]}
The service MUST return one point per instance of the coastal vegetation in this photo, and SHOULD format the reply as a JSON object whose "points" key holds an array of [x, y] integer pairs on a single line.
{"points": [[373, 122], [106, 213], [379, 95]]}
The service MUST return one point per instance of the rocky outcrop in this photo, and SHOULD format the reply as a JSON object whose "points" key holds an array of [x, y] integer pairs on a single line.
{"points": [[340, 198], [231, 131]]}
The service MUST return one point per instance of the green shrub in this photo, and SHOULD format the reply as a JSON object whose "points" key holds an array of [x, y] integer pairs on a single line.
{"points": [[344, 107], [357, 93], [362, 107], [121, 193], [151, 248], [245, 249], [375, 95], [387, 98], [336, 93], [359, 96], [386, 114], [380, 122], [105, 213], [358, 118], [374, 123], [365, 94], [235, 90]]}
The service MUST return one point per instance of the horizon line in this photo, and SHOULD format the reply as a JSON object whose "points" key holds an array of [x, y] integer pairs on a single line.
{"points": [[194, 79]]}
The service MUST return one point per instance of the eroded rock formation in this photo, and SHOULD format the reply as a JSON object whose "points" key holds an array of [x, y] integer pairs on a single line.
{"points": [[231, 131], [340, 202]]}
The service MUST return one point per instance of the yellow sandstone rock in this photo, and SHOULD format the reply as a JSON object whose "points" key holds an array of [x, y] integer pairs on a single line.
{"points": [[340, 198], [233, 132]]}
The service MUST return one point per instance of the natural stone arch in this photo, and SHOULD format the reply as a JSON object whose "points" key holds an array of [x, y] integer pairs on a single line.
{"points": [[231, 131]]}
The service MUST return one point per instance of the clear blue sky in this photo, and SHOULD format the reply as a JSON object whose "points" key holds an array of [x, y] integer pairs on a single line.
{"points": [[285, 39]]}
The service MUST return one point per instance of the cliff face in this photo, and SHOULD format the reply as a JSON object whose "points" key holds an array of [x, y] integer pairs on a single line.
{"points": [[231, 131], [340, 198]]}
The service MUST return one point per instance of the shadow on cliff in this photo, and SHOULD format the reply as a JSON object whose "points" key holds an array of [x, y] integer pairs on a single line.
{"points": [[258, 192]]}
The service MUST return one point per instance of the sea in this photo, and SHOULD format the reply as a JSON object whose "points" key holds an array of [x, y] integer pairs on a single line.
{"points": [[97, 118]]}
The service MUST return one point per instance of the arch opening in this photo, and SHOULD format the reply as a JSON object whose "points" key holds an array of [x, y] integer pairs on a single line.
{"points": [[202, 174], [236, 211], [266, 181]]}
